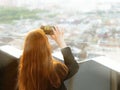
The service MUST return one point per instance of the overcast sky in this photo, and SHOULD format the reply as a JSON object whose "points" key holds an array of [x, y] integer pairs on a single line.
{"points": [[81, 0], [81, 5]]}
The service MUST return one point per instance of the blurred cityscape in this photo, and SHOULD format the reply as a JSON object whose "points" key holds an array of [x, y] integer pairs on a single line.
{"points": [[91, 33]]}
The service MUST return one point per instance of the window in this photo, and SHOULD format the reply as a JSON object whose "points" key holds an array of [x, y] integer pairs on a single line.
{"points": [[92, 28]]}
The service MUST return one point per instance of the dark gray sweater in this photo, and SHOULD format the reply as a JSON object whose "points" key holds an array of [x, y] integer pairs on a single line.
{"points": [[71, 63]]}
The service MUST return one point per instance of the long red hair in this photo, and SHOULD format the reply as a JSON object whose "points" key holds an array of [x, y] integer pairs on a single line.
{"points": [[37, 68]]}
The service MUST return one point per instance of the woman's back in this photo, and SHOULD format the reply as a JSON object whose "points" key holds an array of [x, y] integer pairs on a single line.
{"points": [[37, 68]]}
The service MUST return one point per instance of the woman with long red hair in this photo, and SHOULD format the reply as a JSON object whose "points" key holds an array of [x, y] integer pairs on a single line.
{"points": [[38, 70]]}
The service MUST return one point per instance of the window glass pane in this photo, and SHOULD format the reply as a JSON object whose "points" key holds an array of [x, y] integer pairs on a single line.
{"points": [[92, 27]]}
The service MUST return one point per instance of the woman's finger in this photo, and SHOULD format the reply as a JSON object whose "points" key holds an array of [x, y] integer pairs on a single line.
{"points": [[52, 36]]}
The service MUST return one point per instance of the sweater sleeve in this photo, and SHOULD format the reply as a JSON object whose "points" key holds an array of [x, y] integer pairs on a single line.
{"points": [[70, 62]]}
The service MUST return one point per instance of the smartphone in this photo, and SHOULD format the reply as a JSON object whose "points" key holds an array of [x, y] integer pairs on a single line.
{"points": [[47, 29]]}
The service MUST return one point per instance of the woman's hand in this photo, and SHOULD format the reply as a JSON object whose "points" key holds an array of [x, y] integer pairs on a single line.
{"points": [[58, 36]]}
